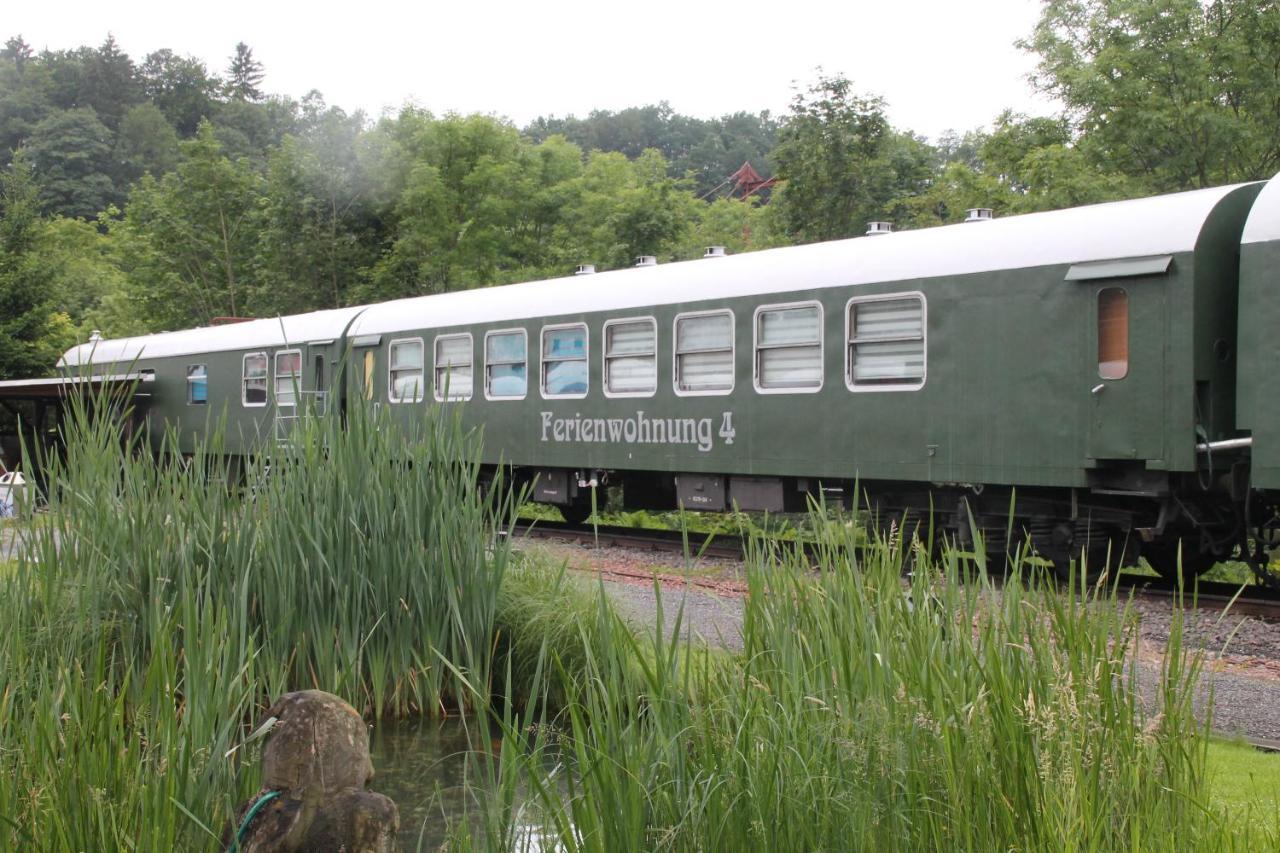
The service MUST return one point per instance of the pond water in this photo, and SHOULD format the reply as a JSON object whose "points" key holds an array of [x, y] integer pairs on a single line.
{"points": [[423, 765]]}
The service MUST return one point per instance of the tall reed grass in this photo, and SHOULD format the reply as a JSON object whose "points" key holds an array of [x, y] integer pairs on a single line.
{"points": [[868, 713], [161, 604]]}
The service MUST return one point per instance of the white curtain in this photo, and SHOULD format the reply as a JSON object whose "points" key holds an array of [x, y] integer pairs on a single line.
{"points": [[789, 326], [704, 353], [632, 357], [711, 332], [788, 347], [888, 341]]}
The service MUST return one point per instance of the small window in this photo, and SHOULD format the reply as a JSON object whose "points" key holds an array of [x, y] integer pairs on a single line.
{"points": [[254, 380], [630, 358], [886, 343], [704, 353], [1113, 333], [506, 360], [369, 362], [564, 361], [197, 384], [288, 377], [789, 348], [453, 367], [405, 382]]}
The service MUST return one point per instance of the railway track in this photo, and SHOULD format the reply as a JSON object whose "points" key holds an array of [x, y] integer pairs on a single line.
{"points": [[1205, 595]]}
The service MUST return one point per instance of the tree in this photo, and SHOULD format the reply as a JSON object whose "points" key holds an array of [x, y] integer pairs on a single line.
{"points": [[146, 144], [24, 98], [110, 84], [181, 87], [29, 339], [1176, 93], [70, 156], [319, 228], [17, 51], [833, 154], [244, 75], [190, 237]]}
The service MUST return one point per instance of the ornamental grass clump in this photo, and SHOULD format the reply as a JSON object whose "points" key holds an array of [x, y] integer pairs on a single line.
{"points": [[867, 712], [163, 603]]}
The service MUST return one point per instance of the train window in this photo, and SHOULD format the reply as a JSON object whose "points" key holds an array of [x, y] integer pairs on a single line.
{"points": [[405, 375], [453, 367], [197, 384], [288, 377], [506, 360], [886, 343], [630, 358], [789, 348], [254, 380], [704, 353], [1113, 333], [564, 361]]}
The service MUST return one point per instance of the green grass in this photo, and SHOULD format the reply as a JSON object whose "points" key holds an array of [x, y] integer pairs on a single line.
{"points": [[1245, 782], [859, 717], [162, 605]]}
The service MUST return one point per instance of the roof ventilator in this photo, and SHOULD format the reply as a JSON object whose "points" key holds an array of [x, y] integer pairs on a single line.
{"points": [[979, 214], [585, 269], [646, 261], [714, 252], [874, 228]]}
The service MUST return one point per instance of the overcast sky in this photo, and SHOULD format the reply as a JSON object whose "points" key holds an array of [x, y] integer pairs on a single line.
{"points": [[939, 63]]}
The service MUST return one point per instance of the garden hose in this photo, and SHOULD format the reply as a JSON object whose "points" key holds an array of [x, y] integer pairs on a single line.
{"points": [[249, 816]]}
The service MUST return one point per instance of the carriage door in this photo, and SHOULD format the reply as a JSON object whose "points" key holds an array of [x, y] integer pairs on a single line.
{"points": [[287, 387], [1125, 359], [318, 390]]}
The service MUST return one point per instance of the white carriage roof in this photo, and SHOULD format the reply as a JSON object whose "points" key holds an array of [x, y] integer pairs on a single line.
{"points": [[254, 334], [1161, 225], [1264, 217]]}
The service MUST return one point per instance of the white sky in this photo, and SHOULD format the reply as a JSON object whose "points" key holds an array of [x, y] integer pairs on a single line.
{"points": [[939, 63]]}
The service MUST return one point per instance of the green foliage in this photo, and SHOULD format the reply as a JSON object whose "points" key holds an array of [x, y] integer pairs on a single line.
{"points": [[707, 150], [180, 87], [32, 336], [145, 145], [834, 153], [190, 236], [70, 156], [1176, 93], [244, 75]]}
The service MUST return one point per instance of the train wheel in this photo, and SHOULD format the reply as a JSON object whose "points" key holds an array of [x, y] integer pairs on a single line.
{"points": [[1103, 553], [1164, 558], [576, 512]]}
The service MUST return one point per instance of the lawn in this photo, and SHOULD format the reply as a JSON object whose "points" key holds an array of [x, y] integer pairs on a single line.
{"points": [[1245, 781]]}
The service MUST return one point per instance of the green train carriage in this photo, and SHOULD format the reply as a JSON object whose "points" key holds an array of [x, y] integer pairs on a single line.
{"points": [[1077, 357]]}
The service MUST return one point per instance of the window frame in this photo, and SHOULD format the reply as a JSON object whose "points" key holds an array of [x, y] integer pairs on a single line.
{"points": [[245, 379], [525, 333], [190, 383], [275, 376], [848, 343], [436, 390], [604, 356], [542, 359], [755, 347], [733, 353], [392, 397]]}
